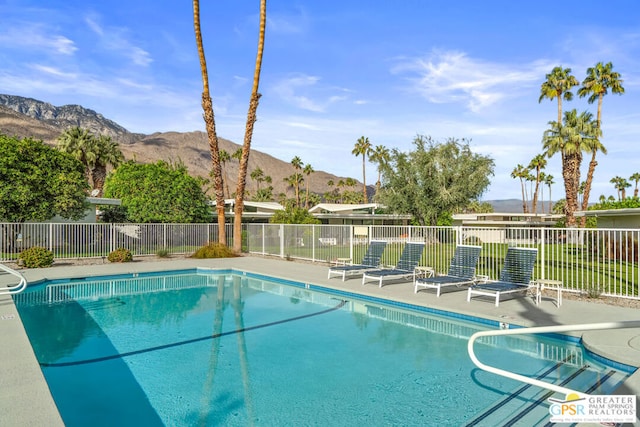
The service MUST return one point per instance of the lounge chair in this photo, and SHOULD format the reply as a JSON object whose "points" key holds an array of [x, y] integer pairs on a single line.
{"points": [[515, 276], [405, 268], [462, 270], [370, 261]]}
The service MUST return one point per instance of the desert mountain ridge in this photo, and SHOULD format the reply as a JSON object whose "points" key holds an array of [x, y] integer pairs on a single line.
{"points": [[27, 117]]}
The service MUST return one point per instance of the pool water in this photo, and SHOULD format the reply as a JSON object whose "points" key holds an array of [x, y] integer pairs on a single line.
{"points": [[228, 348]]}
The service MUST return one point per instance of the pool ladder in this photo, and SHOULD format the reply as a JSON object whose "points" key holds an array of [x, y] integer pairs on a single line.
{"points": [[13, 289], [541, 330]]}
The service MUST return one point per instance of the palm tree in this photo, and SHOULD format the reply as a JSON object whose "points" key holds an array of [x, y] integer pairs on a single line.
{"points": [[570, 140], [209, 120], [558, 85], [362, 148], [258, 176], [95, 153], [548, 181], [248, 134], [635, 178], [308, 170], [294, 180], [621, 185], [297, 164], [596, 85], [80, 143], [381, 156], [521, 172], [107, 153], [224, 158], [537, 163]]}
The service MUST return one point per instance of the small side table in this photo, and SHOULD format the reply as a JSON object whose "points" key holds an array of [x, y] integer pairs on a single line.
{"points": [[423, 272], [550, 284], [342, 261]]}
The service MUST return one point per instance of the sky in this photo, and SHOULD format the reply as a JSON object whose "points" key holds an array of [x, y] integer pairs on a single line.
{"points": [[334, 71]]}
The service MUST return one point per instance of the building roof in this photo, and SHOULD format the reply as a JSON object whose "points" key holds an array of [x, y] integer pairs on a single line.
{"points": [[609, 212], [343, 207]]}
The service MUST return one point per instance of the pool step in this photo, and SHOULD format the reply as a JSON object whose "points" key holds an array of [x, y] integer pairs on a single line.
{"points": [[529, 406]]}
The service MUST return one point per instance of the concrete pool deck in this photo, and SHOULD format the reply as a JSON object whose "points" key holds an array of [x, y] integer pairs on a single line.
{"points": [[24, 395]]}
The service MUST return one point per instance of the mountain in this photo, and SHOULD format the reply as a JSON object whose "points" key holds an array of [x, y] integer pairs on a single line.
{"points": [[27, 117]]}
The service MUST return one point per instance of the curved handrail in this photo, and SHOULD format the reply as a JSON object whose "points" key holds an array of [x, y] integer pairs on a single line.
{"points": [[541, 330], [21, 286]]}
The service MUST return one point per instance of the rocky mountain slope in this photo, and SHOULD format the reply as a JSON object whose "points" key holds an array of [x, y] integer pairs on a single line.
{"points": [[27, 117]]}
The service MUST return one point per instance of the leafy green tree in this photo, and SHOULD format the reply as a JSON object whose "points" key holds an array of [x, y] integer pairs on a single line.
{"points": [[293, 215], [363, 148], [39, 182], [434, 179], [621, 185], [600, 79], [158, 192]]}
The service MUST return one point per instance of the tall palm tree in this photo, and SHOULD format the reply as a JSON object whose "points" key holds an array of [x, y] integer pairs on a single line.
{"points": [[548, 181], [570, 139], [107, 153], [248, 134], [599, 80], [521, 172], [210, 124], [621, 185], [538, 163], [297, 164], [363, 148], [558, 85], [224, 158], [308, 170], [635, 178], [381, 156]]}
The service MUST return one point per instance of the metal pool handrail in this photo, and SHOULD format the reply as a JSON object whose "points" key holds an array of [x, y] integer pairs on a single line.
{"points": [[21, 286], [541, 330]]}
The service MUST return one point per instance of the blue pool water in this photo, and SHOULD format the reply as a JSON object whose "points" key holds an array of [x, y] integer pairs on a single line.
{"points": [[229, 348]]}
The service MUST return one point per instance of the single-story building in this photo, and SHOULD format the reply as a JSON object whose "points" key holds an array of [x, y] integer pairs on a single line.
{"points": [[614, 218]]}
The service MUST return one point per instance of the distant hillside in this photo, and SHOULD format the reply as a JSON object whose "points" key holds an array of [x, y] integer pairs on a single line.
{"points": [[27, 117]]}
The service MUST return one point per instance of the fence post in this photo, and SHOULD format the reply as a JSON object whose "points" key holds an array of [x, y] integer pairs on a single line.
{"points": [[542, 253], [281, 240], [351, 234], [51, 237]]}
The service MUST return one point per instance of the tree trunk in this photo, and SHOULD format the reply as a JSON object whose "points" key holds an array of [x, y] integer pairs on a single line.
{"points": [[587, 187], [98, 176], [210, 124]]}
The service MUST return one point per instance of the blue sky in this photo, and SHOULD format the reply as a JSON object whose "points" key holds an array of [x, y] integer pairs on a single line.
{"points": [[337, 70]]}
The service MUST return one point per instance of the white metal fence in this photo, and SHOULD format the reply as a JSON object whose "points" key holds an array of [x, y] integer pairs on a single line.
{"points": [[591, 261]]}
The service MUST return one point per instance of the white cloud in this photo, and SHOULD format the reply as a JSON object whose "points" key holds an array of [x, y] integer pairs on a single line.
{"points": [[304, 92], [453, 77], [37, 36], [115, 39]]}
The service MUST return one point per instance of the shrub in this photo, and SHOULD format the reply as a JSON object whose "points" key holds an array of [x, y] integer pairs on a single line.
{"points": [[162, 253], [36, 257], [213, 250], [120, 255]]}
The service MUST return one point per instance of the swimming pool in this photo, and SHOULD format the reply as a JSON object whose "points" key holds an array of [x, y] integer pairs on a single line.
{"points": [[202, 347]]}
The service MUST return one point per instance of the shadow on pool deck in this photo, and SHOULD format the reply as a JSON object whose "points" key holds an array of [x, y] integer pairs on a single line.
{"points": [[25, 397]]}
